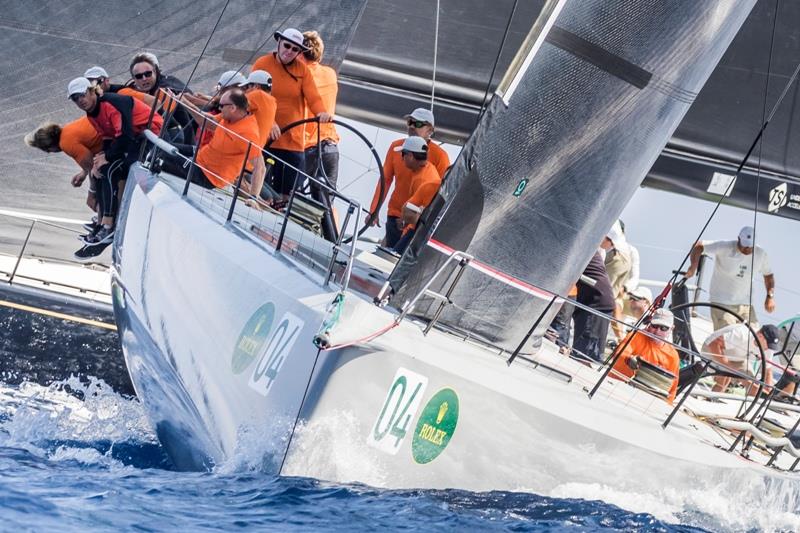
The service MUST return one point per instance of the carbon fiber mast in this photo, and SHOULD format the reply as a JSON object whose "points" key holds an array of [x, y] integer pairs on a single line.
{"points": [[585, 109]]}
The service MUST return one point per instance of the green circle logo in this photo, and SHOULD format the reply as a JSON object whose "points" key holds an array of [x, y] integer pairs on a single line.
{"points": [[435, 427], [252, 338]]}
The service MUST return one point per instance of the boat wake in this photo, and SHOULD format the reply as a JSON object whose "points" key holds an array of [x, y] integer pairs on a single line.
{"points": [[332, 448], [71, 425]]}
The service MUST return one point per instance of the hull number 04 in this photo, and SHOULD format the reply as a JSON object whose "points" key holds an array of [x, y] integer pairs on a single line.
{"points": [[399, 409]]}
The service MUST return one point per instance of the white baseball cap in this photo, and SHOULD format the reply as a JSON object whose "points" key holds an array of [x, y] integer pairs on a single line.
{"points": [[747, 237], [662, 317], [95, 72], [261, 77], [231, 77], [616, 236], [642, 293], [416, 145], [292, 35], [421, 114], [78, 86]]}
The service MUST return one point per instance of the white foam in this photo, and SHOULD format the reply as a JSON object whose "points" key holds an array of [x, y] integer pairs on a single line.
{"points": [[37, 414], [741, 501]]}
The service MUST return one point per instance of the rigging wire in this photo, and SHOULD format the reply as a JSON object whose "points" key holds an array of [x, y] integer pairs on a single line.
{"points": [[758, 167], [755, 142], [203, 51], [497, 59], [435, 54], [658, 301]]}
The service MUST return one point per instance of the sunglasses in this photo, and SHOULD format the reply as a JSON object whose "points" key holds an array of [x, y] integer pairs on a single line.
{"points": [[291, 47], [76, 97], [143, 75], [659, 327], [417, 123], [223, 104]]}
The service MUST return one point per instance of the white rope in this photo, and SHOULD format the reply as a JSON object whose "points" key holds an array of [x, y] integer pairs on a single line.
{"points": [[435, 54]]}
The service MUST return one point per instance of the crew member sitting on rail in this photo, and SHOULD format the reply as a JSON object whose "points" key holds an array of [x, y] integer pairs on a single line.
{"points": [[734, 346], [420, 124], [221, 159], [120, 121], [653, 350], [79, 140], [424, 183], [147, 80], [328, 87], [293, 88]]}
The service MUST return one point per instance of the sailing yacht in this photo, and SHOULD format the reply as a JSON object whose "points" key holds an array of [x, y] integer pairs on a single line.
{"points": [[250, 338]]}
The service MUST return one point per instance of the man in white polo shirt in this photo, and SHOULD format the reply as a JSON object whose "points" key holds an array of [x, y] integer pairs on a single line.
{"points": [[735, 347], [730, 283]]}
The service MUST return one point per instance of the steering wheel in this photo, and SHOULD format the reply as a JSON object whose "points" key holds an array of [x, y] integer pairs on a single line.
{"points": [[763, 370], [382, 191]]}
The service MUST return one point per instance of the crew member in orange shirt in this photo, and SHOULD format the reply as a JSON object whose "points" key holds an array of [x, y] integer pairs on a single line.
{"points": [[293, 88], [423, 184], [656, 351], [420, 124], [220, 160], [79, 140], [328, 87], [262, 103]]}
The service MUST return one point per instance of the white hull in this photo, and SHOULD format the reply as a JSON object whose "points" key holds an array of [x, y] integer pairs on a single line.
{"points": [[190, 288]]}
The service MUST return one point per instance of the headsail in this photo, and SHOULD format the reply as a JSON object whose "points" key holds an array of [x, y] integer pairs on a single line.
{"points": [[585, 110]]}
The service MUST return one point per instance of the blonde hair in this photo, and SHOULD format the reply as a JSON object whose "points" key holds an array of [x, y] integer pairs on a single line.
{"points": [[313, 41], [46, 137]]}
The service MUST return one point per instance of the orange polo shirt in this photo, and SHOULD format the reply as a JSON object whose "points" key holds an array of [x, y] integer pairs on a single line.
{"points": [[262, 106], [293, 88], [328, 87], [222, 158], [394, 170], [663, 356], [80, 140]]}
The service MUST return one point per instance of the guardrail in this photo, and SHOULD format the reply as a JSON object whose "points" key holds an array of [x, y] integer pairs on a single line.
{"points": [[37, 221], [752, 410], [354, 211]]}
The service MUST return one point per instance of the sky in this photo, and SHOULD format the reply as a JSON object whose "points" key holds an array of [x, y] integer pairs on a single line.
{"points": [[660, 224]]}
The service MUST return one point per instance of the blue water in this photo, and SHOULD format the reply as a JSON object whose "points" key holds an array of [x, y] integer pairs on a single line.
{"points": [[76, 465]]}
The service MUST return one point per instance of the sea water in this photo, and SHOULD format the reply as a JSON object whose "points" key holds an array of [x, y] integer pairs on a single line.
{"points": [[88, 459]]}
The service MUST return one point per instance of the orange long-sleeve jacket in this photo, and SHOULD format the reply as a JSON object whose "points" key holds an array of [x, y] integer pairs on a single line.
{"points": [[328, 87], [394, 170], [293, 88]]}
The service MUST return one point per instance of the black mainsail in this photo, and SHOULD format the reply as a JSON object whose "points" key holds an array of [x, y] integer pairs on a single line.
{"points": [[585, 109]]}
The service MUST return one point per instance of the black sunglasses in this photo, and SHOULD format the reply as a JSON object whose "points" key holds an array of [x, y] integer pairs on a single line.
{"points": [[417, 123], [291, 47], [659, 327], [143, 75], [76, 97]]}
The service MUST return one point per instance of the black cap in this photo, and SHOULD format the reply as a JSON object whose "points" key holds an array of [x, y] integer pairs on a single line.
{"points": [[772, 335]]}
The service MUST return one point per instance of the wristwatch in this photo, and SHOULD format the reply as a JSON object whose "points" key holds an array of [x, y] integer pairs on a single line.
{"points": [[771, 293]]}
